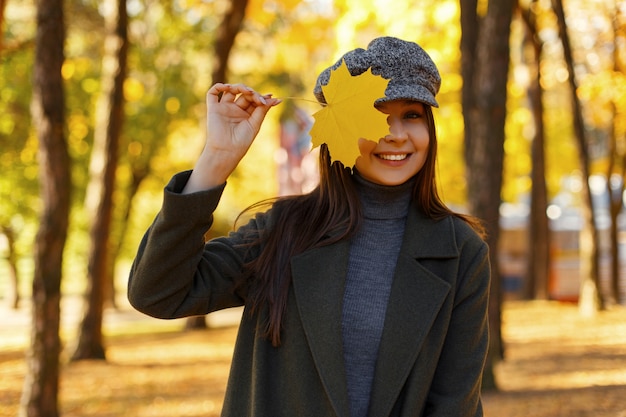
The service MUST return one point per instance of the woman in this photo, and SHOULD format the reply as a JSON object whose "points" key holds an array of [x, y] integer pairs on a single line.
{"points": [[365, 297]]}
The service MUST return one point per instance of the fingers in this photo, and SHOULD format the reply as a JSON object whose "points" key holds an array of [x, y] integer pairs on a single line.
{"points": [[240, 94]]}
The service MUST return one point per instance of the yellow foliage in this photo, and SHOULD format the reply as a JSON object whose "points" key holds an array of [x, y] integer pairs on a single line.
{"points": [[68, 69], [90, 85], [453, 82], [133, 89], [172, 105]]}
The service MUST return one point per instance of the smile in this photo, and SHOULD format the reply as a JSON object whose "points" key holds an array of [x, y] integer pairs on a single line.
{"points": [[395, 157]]}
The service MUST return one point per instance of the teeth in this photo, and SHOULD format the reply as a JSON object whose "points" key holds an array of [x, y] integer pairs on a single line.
{"points": [[393, 157]]}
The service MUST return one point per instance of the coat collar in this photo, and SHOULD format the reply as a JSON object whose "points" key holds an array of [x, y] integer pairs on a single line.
{"points": [[318, 277]]}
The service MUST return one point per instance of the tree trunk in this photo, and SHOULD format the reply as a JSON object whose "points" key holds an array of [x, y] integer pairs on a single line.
{"points": [[470, 23], [485, 149], [617, 165], [223, 45], [590, 299], [615, 206], [41, 384], [538, 269], [13, 292], [104, 163], [225, 38], [3, 5]]}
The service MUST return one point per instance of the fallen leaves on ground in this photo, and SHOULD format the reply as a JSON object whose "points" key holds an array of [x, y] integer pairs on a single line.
{"points": [[557, 364]]}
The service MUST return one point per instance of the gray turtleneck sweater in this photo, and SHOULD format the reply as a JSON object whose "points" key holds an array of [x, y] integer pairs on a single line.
{"points": [[371, 266]]}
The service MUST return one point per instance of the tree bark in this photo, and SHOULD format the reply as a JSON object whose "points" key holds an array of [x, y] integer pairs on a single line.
{"points": [[617, 165], [41, 384], [104, 161], [225, 38], [590, 299], [13, 292], [615, 208], [484, 150], [538, 269], [470, 23], [3, 5]]}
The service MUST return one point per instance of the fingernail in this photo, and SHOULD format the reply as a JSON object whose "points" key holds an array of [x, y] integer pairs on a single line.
{"points": [[262, 100]]}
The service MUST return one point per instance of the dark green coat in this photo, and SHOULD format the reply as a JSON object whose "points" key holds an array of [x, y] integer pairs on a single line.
{"points": [[433, 346]]}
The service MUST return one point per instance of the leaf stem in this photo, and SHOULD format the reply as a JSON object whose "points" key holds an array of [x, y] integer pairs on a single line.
{"points": [[303, 99]]}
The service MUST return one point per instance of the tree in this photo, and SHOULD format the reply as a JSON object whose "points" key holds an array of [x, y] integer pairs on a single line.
{"points": [[225, 38], [41, 385], [223, 44], [19, 183], [104, 161], [485, 64], [13, 296], [590, 296], [538, 269], [617, 156], [3, 5]]}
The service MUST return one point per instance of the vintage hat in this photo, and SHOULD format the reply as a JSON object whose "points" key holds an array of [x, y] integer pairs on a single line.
{"points": [[411, 72]]}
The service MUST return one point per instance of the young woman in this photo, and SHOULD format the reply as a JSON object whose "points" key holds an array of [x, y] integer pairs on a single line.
{"points": [[365, 297]]}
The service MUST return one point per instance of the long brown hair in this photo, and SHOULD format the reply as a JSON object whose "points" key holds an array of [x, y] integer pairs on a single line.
{"points": [[329, 213]]}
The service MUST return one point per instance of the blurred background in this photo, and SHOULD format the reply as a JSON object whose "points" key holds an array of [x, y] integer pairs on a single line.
{"points": [[135, 74]]}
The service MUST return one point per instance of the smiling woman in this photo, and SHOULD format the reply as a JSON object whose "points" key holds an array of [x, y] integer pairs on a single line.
{"points": [[401, 154], [366, 296]]}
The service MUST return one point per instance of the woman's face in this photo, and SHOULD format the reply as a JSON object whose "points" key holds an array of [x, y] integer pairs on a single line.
{"points": [[401, 154]]}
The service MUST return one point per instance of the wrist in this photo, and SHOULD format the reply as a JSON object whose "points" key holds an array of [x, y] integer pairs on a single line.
{"points": [[205, 176]]}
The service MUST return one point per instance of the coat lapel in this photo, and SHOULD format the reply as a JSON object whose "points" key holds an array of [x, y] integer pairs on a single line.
{"points": [[318, 278], [415, 300]]}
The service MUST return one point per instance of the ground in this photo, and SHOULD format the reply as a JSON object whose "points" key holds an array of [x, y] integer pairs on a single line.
{"points": [[557, 363]]}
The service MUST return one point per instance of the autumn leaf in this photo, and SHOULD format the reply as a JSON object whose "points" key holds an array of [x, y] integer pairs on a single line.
{"points": [[349, 114]]}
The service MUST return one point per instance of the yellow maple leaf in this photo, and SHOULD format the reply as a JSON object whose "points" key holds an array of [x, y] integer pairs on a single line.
{"points": [[349, 114]]}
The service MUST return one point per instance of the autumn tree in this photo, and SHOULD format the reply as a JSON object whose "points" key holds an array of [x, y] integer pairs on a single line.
{"points": [[3, 4], [485, 65], [13, 293], [225, 39], [13, 297], [19, 183], [590, 298], [616, 167], [41, 385], [104, 161], [538, 264]]}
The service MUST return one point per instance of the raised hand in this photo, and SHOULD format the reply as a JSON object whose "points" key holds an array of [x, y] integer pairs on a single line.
{"points": [[235, 114]]}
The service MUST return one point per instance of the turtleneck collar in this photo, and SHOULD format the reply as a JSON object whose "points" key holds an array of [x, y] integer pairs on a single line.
{"points": [[383, 201]]}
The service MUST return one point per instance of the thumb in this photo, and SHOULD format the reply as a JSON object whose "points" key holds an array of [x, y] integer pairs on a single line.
{"points": [[258, 114]]}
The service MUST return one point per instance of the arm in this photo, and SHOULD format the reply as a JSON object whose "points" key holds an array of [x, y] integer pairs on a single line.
{"points": [[455, 390], [174, 273]]}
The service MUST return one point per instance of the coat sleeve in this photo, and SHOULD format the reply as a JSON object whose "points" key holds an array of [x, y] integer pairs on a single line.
{"points": [[456, 386], [175, 273]]}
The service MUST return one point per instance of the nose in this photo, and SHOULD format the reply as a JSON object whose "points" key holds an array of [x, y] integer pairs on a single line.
{"points": [[397, 132]]}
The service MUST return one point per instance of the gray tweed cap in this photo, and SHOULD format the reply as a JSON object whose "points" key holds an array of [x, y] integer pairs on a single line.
{"points": [[411, 72]]}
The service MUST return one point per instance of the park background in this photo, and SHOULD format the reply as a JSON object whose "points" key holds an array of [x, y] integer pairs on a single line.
{"points": [[176, 49]]}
